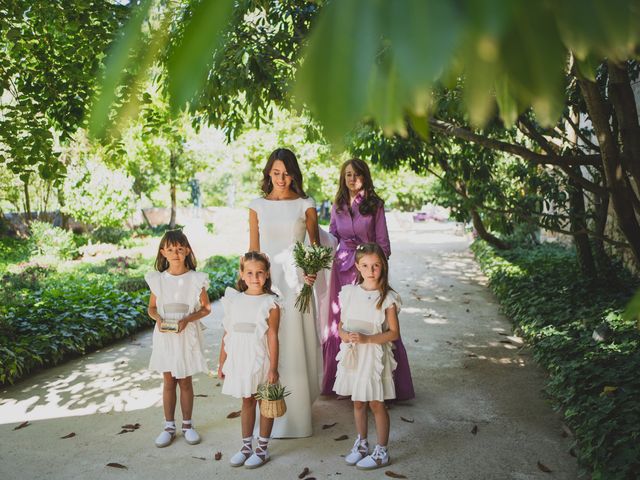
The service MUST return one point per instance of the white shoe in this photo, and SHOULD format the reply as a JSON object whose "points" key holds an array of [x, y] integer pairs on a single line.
{"points": [[166, 437], [239, 458], [255, 460], [358, 452], [190, 435], [379, 458]]}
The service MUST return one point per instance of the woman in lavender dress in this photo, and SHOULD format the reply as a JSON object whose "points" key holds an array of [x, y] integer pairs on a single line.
{"points": [[357, 217]]}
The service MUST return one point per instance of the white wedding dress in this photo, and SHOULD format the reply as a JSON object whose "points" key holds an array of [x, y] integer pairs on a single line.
{"points": [[280, 224]]}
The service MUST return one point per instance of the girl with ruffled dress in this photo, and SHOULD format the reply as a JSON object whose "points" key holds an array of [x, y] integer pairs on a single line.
{"points": [[368, 326], [249, 351], [177, 302]]}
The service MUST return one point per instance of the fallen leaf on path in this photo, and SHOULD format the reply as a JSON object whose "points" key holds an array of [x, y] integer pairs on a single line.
{"points": [[198, 458], [450, 286], [408, 420], [448, 342], [543, 467], [466, 301], [131, 426], [234, 414], [69, 435], [116, 465], [201, 395], [217, 456], [468, 310], [572, 452], [505, 341], [416, 340], [341, 437], [472, 355], [22, 425], [125, 431], [305, 471], [329, 425], [428, 315], [503, 334], [218, 384], [474, 430], [391, 474]]}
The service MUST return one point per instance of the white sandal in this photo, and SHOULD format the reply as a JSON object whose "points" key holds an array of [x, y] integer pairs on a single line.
{"points": [[243, 455], [358, 452], [379, 458], [260, 456], [190, 435], [167, 435]]}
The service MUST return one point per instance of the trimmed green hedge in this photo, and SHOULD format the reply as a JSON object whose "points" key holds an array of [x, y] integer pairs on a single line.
{"points": [[595, 384], [47, 316]]}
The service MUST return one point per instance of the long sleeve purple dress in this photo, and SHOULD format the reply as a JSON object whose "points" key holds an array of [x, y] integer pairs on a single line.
{"points": [[351, 229]]}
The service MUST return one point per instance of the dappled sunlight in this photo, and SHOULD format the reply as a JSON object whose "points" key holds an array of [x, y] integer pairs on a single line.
{"points": [[110, 385]]}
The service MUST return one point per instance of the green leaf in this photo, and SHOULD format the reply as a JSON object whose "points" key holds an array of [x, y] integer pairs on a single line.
{"points": [[339, 62], [119, 59], [190, 61]]}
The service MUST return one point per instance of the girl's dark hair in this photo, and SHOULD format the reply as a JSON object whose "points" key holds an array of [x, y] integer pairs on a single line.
{"points": [[290, 161], [383, 286], [174, 237], [256, 257], [371, 201]]}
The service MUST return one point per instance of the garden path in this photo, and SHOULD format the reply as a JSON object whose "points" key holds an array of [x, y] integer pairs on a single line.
{"points": [[479, 412]]}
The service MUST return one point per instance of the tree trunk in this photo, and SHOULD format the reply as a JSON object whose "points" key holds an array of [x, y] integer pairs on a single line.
{"points": [[173, 165], [577, 215], [624, 103], [483, 234], [62, 202], [621, 196], [27, 200]]}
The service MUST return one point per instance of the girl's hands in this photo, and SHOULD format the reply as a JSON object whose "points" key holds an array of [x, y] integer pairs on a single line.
{"points": [[273, 376], [220, 374], [355, 337], [310, 279], [182, 324]]}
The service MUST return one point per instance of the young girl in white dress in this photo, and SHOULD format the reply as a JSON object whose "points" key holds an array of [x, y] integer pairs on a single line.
{"points": [[249, 351], [368, 325], [178, 301]]}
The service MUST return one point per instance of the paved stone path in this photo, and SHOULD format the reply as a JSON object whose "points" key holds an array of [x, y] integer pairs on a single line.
{"points": [[470, 373]]}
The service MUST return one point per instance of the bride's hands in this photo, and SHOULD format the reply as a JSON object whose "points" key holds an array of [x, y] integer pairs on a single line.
{"points": [[310, 279]]}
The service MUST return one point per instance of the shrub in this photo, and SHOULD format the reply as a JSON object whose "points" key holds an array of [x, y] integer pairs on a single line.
{"points": [[114, 235], [49, 241], [594, 383], [223, 273]]}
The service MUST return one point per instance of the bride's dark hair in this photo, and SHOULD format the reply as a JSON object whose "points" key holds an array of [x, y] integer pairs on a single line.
{"points": [[290, 161]]}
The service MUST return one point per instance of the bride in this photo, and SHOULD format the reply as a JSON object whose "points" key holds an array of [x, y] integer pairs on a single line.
{"points": [[276, 222]]}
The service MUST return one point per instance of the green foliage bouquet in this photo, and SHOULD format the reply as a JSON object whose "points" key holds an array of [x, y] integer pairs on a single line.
{"points": [[311, 259]]}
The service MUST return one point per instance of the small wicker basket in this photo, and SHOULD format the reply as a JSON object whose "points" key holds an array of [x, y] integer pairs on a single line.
{"points": [[273, 408]]}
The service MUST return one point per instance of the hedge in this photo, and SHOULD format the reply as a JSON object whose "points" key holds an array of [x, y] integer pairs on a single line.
{"points": [[591, 353]]}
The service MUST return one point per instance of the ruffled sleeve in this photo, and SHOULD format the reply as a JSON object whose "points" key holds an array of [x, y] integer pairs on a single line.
{"points": [[392, 298], [230, 295], [153, 280], [269, 303], [199, 281], [308, 203]]}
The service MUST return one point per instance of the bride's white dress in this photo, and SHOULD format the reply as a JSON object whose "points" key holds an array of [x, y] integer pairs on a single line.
{"points": [[281, 223]]}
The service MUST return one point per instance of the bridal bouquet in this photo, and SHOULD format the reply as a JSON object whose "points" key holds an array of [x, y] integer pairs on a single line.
{"points": [[311, 259]]}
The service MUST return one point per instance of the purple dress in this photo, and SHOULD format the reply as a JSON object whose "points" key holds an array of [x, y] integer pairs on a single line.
{"points": [[351, 229]]}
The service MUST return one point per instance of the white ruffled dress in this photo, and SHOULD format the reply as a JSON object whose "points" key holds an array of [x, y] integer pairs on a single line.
{"points": [[245, 323], [365, 370], [182, 353]]}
